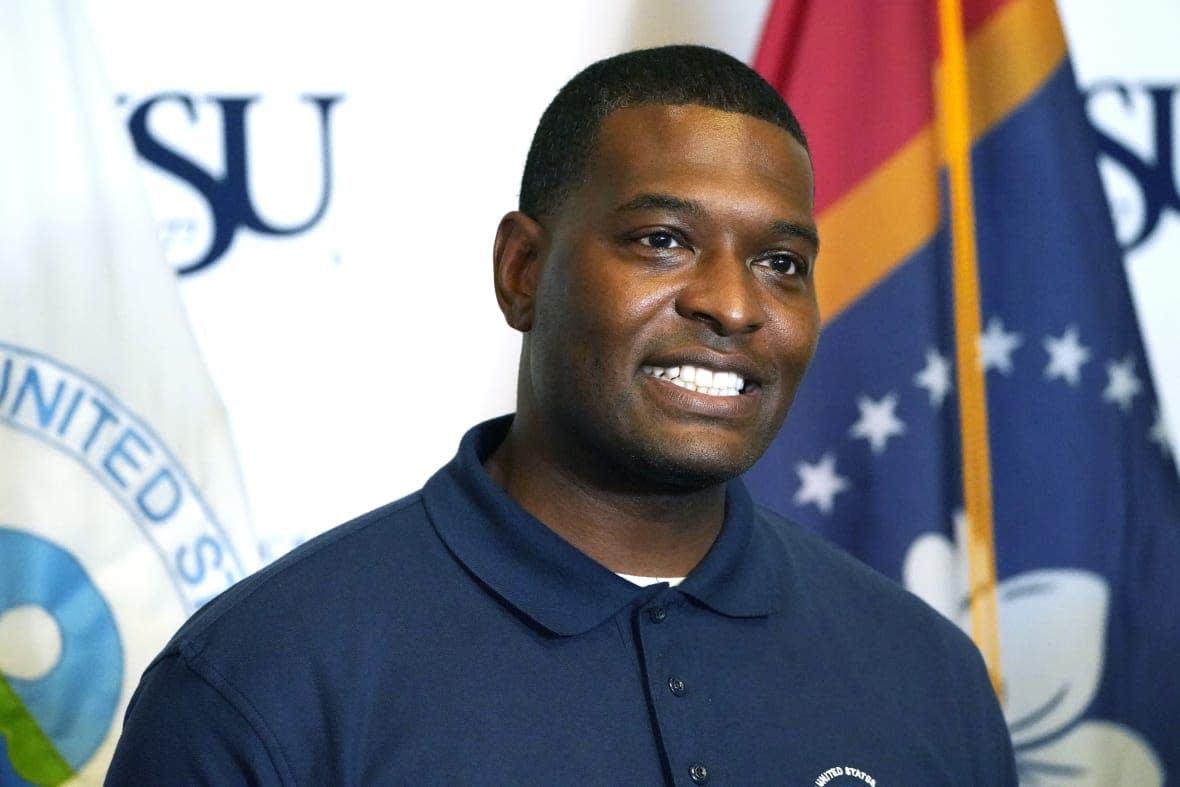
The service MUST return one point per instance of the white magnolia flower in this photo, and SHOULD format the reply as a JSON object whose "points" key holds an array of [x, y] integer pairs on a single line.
{"points": [[1052, 640]]}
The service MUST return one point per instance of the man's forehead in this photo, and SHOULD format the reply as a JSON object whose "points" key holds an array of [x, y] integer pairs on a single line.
{"points": [[656, 131], [681, 141], [707, 120]]}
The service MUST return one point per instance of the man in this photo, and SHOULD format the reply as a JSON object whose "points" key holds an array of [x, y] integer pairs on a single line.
{"points": [[586, 594]]}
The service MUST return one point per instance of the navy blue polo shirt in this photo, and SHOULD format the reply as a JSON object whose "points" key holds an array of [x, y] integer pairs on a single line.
{"points": [[451, 638]]}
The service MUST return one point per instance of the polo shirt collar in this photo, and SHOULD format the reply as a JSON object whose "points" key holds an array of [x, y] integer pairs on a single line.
{"points": [[558, 586]]}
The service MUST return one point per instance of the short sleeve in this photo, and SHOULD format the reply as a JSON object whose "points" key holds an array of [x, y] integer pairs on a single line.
{"points": [[183, 729]]}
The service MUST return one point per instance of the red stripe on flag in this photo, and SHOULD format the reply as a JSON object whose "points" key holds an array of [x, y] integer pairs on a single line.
{"points": [[822, 55], [818, 54]]}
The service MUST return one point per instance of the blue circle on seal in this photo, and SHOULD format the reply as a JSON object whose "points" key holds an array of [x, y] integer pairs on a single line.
{"points": [[74, 703]]}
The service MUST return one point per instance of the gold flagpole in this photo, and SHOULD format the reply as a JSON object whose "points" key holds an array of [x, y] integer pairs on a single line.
{"points": [[977, 485]]}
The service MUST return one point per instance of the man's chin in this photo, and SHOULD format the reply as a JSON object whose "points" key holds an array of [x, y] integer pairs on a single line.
{"points": [[688, 470]]}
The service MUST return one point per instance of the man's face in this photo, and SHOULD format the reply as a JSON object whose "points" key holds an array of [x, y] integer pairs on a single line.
{"points": [[675, 310]]}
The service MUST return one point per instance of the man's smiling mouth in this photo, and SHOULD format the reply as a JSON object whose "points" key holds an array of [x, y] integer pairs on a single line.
{"points": [[700, 379]]}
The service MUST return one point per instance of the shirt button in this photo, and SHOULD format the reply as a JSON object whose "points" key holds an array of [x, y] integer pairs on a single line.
{"points": [[698, 773], [677, 687], [657, 614]]}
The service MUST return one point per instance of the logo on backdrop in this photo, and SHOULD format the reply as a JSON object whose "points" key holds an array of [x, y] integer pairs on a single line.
{"points": [[1146, 184], [228, 196]]}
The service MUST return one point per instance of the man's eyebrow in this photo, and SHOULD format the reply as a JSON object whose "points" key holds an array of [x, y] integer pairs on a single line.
{"points": [[662, 202], [689, 207], [793, 229]]}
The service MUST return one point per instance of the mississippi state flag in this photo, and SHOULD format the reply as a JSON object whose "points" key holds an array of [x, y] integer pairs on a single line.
{"points": [[979, 421]]}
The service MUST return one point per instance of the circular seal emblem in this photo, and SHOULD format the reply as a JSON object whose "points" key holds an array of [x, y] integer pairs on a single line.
{"points": [[106, 545]]}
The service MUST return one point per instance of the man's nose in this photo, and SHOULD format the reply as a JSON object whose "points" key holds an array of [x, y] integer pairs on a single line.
{"points": [[723, 292]]}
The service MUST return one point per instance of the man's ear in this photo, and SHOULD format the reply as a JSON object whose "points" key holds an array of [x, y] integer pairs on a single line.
{"points": [[516, 261]]}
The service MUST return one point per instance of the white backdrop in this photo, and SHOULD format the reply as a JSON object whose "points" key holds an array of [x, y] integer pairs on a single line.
{"points": [[353, 354]]}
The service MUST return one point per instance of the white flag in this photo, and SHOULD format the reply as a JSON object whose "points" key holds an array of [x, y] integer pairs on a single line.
{"points": [[121, 508]]}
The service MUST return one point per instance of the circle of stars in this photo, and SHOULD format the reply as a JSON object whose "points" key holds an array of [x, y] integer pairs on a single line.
{"points": [[878, 421]]}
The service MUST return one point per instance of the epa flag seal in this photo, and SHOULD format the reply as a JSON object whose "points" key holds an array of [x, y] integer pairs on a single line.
{"points": [[96, 518], [77, 695]]}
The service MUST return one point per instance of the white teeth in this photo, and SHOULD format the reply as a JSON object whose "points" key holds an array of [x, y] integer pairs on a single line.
{"points": [[697, 379]]}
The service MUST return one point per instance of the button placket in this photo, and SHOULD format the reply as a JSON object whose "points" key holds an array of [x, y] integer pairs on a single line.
{"points": [[662, 637]]}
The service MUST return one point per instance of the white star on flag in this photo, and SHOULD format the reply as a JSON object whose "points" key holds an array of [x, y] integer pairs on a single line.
{"points": [[1066, 357], [877, 422], [820, 483], [1159, 434], [935, 377], [996, 346], [1122, 385]]}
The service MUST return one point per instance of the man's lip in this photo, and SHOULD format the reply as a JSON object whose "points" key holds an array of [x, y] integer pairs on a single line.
{"points": [[745, 368], [683, 402]]}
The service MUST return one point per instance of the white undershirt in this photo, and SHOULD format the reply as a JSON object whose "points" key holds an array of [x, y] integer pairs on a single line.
{"points": [[645, 581]]}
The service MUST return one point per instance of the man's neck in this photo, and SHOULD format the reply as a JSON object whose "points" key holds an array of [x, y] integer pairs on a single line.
{"points": [[664, 533]]}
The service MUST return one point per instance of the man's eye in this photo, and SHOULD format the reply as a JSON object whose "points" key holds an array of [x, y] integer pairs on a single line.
{"points": [[786, 264], [660, 240]]}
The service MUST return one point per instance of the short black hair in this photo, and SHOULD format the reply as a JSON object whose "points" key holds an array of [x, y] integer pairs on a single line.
{"points": [[676, 74]]}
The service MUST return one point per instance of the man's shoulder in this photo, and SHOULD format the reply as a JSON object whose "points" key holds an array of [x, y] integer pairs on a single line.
{"points": [[312, 621], [315, 582], [826, 577], [881, 654], [815, 559]]}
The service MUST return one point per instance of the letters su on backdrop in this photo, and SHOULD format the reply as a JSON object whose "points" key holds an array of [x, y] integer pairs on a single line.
{"points": [[228, 196]]}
